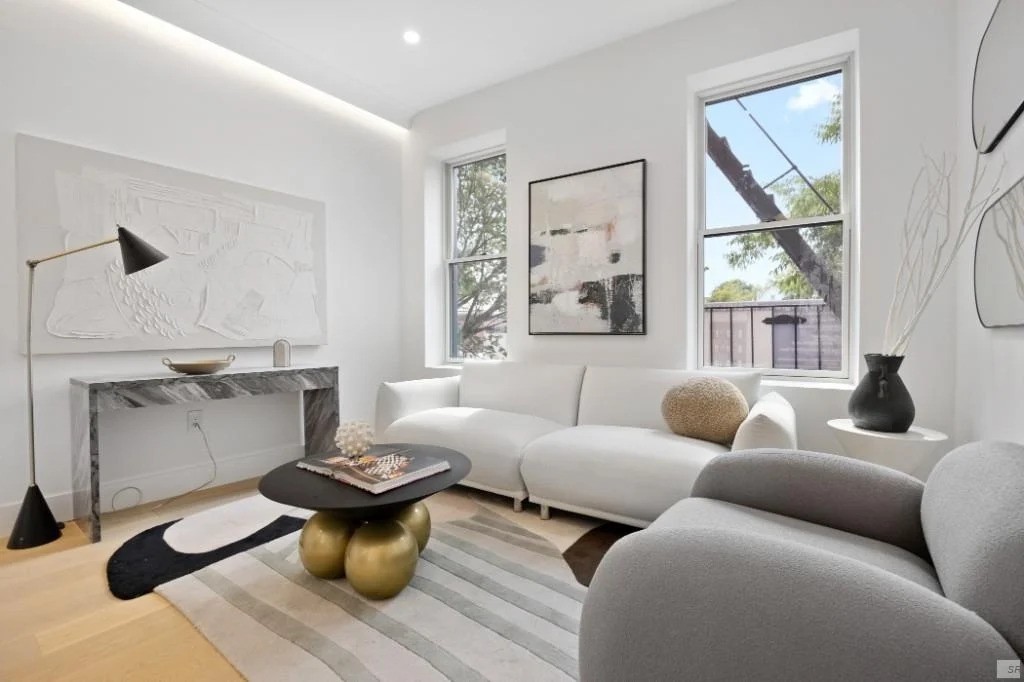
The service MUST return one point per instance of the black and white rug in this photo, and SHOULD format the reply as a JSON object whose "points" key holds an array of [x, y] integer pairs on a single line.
{"points": [[178, 548], [146, 561], [490, 600]]}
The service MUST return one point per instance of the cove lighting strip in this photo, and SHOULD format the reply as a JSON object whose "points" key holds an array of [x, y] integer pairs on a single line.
{"points": [[172, 37]]}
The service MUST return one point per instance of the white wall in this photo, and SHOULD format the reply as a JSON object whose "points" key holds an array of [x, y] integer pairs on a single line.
{"points": [[99, 74], [989, 362], [629, 100]]}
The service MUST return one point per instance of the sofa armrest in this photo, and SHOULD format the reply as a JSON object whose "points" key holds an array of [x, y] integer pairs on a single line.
{"points": [[840, 492], [771, 423], [711, 604], [399, 399]]}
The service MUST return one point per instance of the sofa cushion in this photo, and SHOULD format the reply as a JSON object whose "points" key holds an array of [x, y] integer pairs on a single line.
{"points": [[631, 396], [547, 391], [492, 440], [701, 512], [632, 473]]}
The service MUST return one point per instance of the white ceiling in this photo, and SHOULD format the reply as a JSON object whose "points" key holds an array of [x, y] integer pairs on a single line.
{"points": [[353, 49]]}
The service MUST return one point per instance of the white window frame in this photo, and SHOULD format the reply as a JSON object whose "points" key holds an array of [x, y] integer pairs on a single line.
{"points": [[448, 226], [843, 63]]}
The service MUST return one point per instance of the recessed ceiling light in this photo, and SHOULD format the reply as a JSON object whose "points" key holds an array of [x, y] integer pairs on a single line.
{"points": [[411, 37]]}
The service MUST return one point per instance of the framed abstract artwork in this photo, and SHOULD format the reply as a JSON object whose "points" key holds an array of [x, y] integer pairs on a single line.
{"points": [[587, 251]]}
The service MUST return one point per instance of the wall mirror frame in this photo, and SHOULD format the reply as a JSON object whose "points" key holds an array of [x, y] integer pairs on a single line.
{"points": [[997, 99], [999, 261]]}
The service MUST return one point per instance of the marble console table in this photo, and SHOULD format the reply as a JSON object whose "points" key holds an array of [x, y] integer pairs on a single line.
{"points": [[92, 395]]}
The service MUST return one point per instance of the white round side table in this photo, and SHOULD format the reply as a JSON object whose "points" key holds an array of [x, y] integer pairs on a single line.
{"points": [[901, 451]]}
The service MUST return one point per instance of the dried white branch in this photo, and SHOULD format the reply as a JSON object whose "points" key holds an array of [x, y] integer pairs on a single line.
{"points": [[908, 280], [931, 239], [911, 224]]}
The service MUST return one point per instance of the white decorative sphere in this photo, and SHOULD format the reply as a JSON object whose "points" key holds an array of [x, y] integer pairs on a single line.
{"points": [[354, 438]]}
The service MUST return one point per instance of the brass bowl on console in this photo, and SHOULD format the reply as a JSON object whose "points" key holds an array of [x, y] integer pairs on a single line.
{"points": [[199, 366]]}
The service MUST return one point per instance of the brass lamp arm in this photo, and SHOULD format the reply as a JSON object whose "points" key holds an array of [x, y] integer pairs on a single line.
{"points": [[33, 262]]}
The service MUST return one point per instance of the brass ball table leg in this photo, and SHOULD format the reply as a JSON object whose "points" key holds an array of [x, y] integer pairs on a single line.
{"points": [[323, 543], [381, 558], [416, 518], [378, 557]]}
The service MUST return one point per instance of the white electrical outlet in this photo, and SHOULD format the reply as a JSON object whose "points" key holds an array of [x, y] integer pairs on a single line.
{"points": [[195, 420]]}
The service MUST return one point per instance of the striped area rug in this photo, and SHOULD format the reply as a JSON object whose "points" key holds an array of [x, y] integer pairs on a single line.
{"points": [[489, 601]]}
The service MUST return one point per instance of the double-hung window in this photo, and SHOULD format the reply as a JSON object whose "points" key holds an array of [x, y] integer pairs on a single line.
{"points": [[774, 224], [475, 258]]}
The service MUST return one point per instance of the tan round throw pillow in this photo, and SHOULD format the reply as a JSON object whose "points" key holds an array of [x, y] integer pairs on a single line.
{"points": [[708, 408]]}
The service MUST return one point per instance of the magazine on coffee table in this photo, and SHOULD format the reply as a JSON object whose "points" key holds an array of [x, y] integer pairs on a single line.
{"points": [[376, 472]]}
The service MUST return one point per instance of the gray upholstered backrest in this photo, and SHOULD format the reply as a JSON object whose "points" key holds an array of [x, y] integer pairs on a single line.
{"points": [[973, 519], [829, 490]]}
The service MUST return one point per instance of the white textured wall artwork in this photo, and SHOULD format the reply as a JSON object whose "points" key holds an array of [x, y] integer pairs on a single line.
{"points": [[246, 265], [587, 252]]}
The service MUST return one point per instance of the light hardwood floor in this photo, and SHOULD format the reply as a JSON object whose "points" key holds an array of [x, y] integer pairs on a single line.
{"points": [[58, 621]]}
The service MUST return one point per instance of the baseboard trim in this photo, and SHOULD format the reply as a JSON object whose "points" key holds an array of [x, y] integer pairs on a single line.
{"points": [[161, 485]]}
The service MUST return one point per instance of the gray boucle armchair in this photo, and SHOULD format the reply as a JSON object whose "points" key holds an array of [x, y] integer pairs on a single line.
{"points": [[788, 565]]}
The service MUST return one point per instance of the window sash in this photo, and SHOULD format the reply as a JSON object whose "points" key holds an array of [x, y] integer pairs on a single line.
{"points": [[490, 256], [812, 221], [709, 325], [451, 317], [755, 86], [451, 355], [839, 65], [451, 209], [758, 86]]}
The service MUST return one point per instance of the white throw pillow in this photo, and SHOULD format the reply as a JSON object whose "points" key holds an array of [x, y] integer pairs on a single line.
{"points": [[770, 424]]}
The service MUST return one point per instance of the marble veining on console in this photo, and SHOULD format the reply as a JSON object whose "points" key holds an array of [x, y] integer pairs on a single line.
{"points": [[91, 396], [119, 393]]}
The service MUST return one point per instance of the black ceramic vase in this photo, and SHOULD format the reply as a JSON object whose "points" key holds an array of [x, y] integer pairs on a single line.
{"points": [[881, 401]]}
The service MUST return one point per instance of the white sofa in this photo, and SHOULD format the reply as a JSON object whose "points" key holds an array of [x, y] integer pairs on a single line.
{"points": [[584, 439]]}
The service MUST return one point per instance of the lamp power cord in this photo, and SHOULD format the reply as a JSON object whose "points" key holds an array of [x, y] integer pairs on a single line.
{"points": [[172, 500]]}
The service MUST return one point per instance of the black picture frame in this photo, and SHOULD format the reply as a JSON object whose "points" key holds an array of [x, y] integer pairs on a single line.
{"points": [[643, 250], [1010, 114]]}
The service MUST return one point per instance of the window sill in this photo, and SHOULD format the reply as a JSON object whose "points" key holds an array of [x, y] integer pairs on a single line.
{"points": [[806, 383], [444, 367], [458, 364]]}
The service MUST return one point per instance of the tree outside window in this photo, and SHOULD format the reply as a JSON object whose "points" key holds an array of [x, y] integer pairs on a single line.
{"points": [[477, 230]]}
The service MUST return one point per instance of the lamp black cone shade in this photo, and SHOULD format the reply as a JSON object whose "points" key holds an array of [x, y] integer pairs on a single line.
{"points": [[35, 525], [136, 254]]}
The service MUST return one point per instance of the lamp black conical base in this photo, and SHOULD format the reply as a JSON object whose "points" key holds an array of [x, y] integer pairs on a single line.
{"points": [[35, 525]]}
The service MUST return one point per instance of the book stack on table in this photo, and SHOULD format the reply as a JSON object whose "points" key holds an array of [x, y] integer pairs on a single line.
{"points": [[376, 472]]}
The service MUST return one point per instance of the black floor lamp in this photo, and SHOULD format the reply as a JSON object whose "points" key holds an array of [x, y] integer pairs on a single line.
{"points": [[35, 524]]}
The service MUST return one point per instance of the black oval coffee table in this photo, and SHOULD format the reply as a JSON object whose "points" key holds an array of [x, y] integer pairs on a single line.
{"points": [[373, 540]]}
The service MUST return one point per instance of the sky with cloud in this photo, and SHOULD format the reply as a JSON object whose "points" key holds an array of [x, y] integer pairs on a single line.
{"points": [[812, 95]]}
